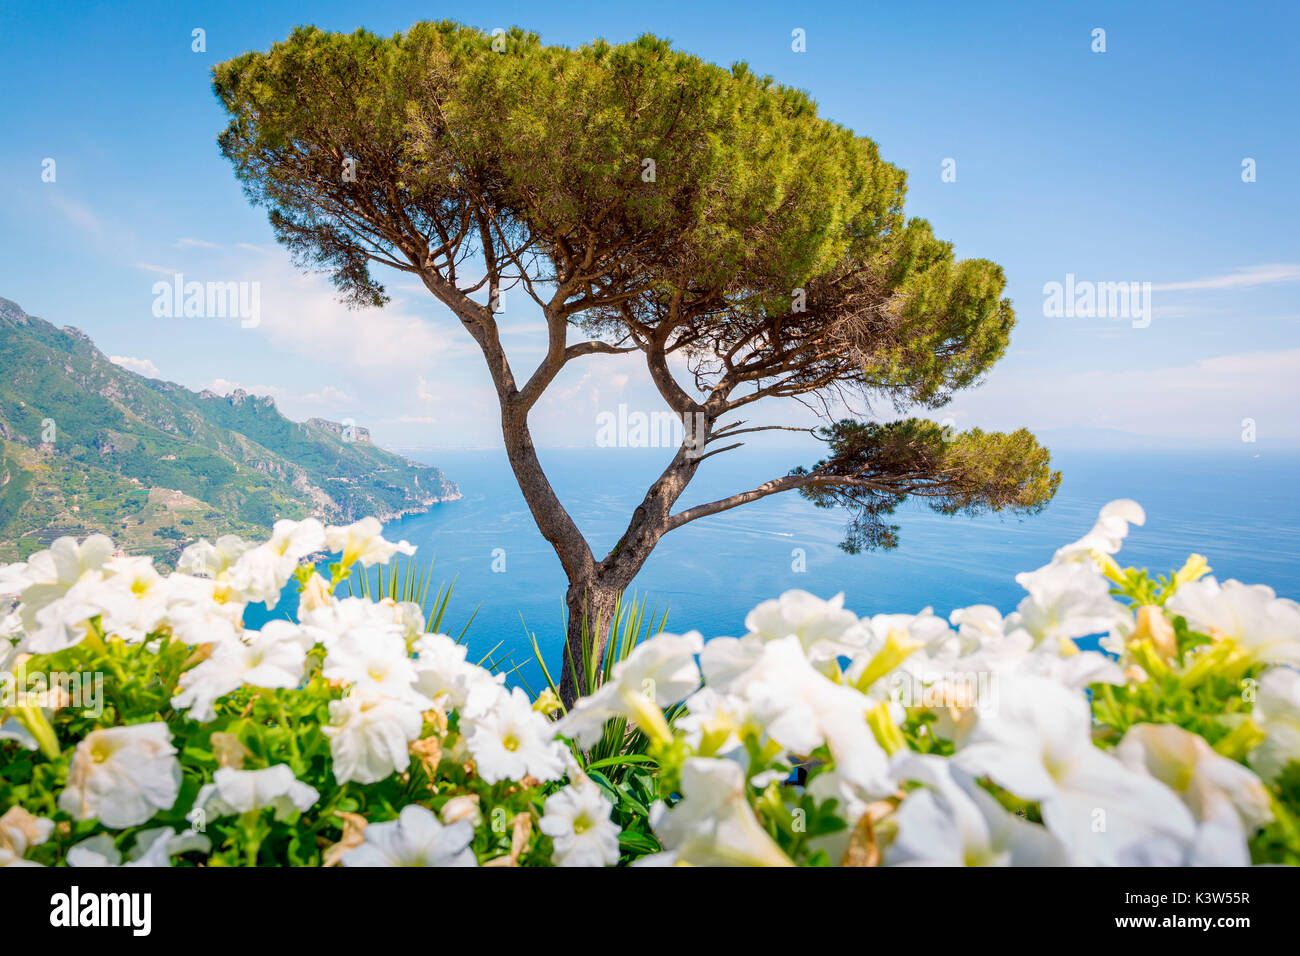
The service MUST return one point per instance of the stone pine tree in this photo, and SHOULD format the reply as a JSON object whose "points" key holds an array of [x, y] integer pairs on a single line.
{"points": [[649, 203]]}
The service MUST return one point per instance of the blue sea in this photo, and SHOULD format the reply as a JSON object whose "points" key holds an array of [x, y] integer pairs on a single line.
{"points": [[1237, 508]]}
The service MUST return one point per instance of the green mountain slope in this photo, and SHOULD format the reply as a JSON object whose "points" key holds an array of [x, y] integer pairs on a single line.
{"points": [[88, 446]]}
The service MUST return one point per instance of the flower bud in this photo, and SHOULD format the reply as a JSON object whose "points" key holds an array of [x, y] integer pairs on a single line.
{"points": [[1153, 626], [1195, 568]]}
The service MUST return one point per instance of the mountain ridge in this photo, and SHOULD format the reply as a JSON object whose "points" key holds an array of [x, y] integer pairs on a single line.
{"points": [[86, 445]]}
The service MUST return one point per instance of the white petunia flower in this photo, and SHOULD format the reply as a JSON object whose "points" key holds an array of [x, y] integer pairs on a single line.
{"points": [[981, 627], [260, 575], [50, 574], [659, 673], [1066, 601], [375, 661], [152, 848], [800, 708], [577, 820], [1277, 713], [363, 541], [712, 723], [203, 611], [143, 607], [906, 648], [96, 851], [927, 630], [271, 658], [1108, 534], [443, 675], [122, 775], [370, 736], [1074, 670], [67, 620], [825, 629], [952, 821], [415, 838], [408, 617], [1038, 745], [242, 791], [1262, 624], [1070, 598], [204, 559], [713, 824], [13, 579], [510, 740], [296, 540], [724, 659], [329, 621], [1227, 800]]}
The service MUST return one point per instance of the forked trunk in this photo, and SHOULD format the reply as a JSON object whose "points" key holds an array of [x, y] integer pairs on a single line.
{"points": [[594, 590]]}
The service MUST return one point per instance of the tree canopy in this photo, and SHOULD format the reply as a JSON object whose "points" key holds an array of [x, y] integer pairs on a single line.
{"points": [[535, 159]]}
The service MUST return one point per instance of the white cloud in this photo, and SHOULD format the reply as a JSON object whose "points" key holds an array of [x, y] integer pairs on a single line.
{"points": [[302, 313], [141, 366], [1204, 400], [412, 368], [1242, 278], [185, 243], [603, 382]]}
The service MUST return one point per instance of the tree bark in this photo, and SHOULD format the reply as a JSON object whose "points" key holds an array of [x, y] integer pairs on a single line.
{"points": [[593, 602]]}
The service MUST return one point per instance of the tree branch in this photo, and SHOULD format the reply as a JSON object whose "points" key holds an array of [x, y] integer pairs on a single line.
{"points": [[775, 487]]}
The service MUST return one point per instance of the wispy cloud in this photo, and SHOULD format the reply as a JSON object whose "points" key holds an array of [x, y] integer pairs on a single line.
{"points": [[1242, 278], [80, 215], [160, 270]]}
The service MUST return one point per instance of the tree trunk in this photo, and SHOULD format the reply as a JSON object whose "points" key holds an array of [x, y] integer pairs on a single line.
{"points": [[593, 588], [590, 602], [593, 593]]}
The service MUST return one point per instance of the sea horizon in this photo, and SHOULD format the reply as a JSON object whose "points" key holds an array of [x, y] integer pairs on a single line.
{"points": [[1235, 506]]}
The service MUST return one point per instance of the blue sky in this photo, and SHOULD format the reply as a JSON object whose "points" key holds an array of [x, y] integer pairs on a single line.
{"points": [[1122, 166]]}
